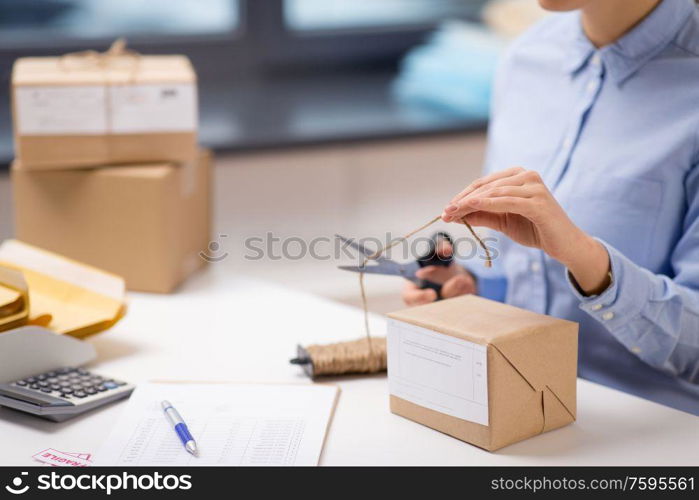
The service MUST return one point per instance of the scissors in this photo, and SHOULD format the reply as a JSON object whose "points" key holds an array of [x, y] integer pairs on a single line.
{"points": [[408, 270]]}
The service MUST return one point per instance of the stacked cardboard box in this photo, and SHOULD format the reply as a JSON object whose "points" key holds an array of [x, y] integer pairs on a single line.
{"points": [[107, 169]]}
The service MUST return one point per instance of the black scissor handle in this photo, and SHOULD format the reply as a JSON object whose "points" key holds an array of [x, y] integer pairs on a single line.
{"points": [[431, 258]]}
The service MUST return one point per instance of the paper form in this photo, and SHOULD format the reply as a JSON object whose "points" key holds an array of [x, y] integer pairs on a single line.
{"points": [[437, 371], [233, 424]]}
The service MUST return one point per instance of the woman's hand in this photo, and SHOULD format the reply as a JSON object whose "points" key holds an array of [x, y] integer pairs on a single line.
{"points": [[517, 203], [455, 280]]}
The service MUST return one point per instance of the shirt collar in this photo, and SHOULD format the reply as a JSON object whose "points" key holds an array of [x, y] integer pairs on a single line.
{"points": [[627, 55]]}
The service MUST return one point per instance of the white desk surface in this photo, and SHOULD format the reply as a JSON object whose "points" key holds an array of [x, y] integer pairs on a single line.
{"points": [[223, 327]]}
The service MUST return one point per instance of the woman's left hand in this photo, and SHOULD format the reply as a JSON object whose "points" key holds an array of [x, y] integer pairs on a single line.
{"points": [[517, 203]]}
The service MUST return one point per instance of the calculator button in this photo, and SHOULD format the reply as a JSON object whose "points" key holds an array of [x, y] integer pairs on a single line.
{"points": [[65, 395], [77, 387], [51, 374], [42, 376], [101, 388], [21, 382], [35, 386], [55, 387], [31, 380], [110, 385], [82, 372], [66, 390], [46, 389], [90, 391], [79, 394], [43, 383]]}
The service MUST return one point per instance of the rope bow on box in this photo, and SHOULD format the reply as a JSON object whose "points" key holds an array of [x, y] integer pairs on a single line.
{"points": [[116, 50]]}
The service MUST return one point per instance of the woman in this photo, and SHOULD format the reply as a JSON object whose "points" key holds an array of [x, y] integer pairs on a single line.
{"points": [[601, 224]]}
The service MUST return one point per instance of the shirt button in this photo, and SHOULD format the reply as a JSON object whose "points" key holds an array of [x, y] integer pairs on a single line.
{"points": [[636, 350], [536, 267], [595, 60], [607, 316], [591, 87], [596, 307], [567, 142]]}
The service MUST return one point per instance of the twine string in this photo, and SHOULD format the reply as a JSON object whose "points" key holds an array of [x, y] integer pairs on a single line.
{"points": [[367, 354], [381, 251]]}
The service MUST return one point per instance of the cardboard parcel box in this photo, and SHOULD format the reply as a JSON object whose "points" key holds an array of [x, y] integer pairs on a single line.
{"points": [[146, 223], [87, 109], [484, 372]]}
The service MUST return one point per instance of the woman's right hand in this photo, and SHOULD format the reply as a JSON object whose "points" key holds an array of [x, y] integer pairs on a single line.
{"points": [[455, 281]]}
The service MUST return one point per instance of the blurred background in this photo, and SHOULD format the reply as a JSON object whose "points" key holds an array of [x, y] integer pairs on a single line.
{"points": [[357, 117]]}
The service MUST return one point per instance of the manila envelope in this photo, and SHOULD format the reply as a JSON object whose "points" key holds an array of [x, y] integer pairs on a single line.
{"points": [[66, 296], [14, 299]]}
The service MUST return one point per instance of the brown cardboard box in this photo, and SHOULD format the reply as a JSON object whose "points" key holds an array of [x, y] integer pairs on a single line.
{"points": [[484, 372], [81, 111], [146, 223]]}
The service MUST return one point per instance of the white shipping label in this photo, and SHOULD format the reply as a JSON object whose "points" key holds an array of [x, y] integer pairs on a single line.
{"points": [[61, 110], [153, 108], [437, 371], [98, 109]]}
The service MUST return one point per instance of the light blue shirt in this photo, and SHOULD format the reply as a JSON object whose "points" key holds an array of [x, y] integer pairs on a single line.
{"points": [[614, 133]]}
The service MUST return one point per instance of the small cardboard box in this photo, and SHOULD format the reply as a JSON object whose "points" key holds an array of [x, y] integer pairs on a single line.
{"points": [[84, 110], [146, 223], [484, 372]]}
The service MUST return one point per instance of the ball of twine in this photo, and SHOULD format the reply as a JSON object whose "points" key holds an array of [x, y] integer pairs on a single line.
{"points": [[365, 355]]}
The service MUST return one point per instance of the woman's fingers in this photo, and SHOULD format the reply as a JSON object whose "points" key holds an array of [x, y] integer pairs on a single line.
{"points": [[504, 204], [459, 285], [437, 274], [414, 296], [472, 204], [520, 179], [486, 219], [444, 249], [509, 172], [516, 176]]}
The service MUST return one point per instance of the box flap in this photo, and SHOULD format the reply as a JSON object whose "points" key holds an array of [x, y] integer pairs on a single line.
{"points": [[554, 379], [474, 318], [78, 299]]}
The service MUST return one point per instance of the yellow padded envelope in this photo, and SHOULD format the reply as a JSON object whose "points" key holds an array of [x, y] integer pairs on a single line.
{"points": [[14, 299], [64, 295]]}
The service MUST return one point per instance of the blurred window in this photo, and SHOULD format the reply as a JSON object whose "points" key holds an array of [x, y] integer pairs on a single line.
{"points": [[307, 15], [27, 20]]}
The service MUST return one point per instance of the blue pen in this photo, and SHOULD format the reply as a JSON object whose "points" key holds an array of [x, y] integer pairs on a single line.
{"points": [[180, 428]]}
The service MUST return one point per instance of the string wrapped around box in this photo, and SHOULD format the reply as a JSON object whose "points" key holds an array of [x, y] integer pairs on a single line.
{"points": [[368, 354]]}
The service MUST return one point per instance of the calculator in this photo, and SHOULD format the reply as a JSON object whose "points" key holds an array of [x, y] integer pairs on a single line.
{"points": [[63, 393]]}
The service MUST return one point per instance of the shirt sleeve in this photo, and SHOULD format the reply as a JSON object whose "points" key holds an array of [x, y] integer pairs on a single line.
{"points": [[654, 316]]}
